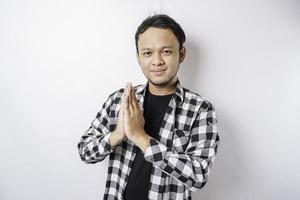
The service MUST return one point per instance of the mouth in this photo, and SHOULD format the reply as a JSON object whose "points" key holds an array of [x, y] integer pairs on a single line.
{"points": [[158, 72]]}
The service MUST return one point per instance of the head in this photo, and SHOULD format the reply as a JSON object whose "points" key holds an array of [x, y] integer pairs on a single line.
{"points": [[159, 49]]}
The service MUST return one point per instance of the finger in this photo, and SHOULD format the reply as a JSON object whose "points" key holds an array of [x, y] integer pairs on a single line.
{"points": [[129, 92], [134, 101], [125, 90], [133, 93], [123, 99], [130, 103], [126, 104], [124, 94]]}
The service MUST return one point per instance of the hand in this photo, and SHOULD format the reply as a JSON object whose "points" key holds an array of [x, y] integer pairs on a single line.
{"points": [[118, 135], [120, 121], [133, 115]]}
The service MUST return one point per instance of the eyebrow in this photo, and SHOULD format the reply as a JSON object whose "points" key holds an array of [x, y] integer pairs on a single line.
{"points": [[164, 47]]}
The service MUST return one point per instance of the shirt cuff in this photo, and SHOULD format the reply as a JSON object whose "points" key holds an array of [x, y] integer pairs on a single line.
{"points": [[155, 152], [104, 145]]}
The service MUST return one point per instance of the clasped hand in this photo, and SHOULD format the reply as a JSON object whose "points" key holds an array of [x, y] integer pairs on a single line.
{"points": [[130, 121]]}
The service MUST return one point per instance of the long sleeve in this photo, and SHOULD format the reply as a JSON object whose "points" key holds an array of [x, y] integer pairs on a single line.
{"points": [[94, 145], [191, 167]]}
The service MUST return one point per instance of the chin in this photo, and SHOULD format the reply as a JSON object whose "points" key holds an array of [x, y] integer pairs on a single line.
{"points": [[160, 82]]}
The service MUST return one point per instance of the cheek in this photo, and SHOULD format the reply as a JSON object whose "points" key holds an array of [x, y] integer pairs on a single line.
{"points": [[145, 63], [172, 61], [144, 67]]}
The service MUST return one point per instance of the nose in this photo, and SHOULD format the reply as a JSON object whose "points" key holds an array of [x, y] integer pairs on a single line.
{"points": [[157, 60]]}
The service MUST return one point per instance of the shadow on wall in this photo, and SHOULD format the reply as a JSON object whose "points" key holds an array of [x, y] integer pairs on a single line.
{"points": [[228, 164], [190, 67]]}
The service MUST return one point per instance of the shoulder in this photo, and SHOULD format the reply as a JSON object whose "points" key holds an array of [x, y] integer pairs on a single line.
{"points": [[195, 99], [115, 96]]}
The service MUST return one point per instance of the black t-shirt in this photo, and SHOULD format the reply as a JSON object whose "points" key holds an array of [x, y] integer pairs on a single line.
{"points": [[139, 179]]}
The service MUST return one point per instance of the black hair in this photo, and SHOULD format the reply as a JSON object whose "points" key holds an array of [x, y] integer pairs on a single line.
{"points": [[160, 21]]}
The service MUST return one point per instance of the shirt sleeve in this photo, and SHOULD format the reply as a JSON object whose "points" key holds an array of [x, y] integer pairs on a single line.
{"points": [[191, 167], [94, 144]]}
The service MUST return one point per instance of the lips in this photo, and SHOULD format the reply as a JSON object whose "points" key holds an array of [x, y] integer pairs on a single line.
{"points": [[158, 72]]}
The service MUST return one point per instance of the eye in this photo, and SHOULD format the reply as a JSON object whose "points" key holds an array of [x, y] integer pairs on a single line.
{"points": [[167, 52], [147, 53]]}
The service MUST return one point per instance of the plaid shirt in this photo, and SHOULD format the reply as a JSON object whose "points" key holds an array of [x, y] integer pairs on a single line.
{"points": [[182, 157]]}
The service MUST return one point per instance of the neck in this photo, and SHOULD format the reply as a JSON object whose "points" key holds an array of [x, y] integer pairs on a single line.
{"points": [[170, 88]]}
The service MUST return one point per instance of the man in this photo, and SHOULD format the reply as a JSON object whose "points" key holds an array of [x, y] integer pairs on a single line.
{"points": [[161, 138]]}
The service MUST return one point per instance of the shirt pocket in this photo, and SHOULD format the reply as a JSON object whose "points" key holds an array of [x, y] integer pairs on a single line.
{"points": [[180, 140]]}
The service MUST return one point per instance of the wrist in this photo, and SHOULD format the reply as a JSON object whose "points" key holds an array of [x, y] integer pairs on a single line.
{"points": [[116, 135], [115, 139], [142, 140]]}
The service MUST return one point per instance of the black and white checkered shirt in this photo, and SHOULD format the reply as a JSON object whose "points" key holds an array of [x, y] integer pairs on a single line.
{"points": [[182, 156]]}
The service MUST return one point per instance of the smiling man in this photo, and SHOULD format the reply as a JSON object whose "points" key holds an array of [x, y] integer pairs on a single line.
{"points": [[161, 138]]}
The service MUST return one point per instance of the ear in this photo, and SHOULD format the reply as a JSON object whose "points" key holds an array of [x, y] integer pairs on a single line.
{"points": [[182, 54]]}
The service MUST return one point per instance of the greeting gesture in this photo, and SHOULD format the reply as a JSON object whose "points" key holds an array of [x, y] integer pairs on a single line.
{"points": [[133, 115], [130, 122]]}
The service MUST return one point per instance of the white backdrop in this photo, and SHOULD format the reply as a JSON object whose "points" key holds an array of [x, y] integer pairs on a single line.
{"points": [[60, 59]]}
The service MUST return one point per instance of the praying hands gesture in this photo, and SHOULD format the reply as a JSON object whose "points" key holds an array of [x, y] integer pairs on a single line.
{"points": [[130, 121]]}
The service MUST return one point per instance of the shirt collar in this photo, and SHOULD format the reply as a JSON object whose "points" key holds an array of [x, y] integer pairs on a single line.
{"points": [[179, 93]]}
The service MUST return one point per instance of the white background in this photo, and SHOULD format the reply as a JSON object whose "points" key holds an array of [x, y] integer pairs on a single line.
{"points": [[60, 59]]}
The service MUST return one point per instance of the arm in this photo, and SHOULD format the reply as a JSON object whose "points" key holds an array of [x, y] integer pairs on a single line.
{"points": [[94, 145], [191, 167]]}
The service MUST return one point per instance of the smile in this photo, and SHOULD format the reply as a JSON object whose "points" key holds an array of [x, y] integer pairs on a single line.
{"points": [[158, 72]]}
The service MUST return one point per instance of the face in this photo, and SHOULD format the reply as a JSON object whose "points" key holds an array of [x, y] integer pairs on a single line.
{"points": [[159, 56]]}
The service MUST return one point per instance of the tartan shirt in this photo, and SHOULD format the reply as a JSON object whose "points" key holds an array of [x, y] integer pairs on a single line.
{"points": [[182, 156]]}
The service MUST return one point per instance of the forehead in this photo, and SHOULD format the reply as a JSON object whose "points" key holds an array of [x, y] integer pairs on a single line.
{"points": [[157, 38]]}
